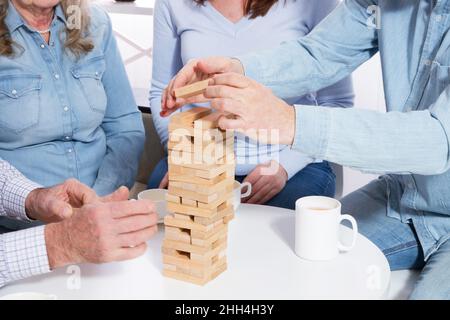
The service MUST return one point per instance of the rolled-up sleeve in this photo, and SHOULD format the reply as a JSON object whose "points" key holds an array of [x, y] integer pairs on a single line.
{"points": [[394, 142]]}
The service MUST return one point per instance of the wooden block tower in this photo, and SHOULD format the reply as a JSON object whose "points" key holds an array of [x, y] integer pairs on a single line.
{"points": [[201, 177]]}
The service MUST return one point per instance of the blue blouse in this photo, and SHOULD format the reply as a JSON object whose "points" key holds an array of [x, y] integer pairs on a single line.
{"points": [[63, 117]]}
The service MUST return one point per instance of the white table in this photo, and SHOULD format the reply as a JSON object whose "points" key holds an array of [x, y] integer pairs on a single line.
{"points": [[262, 265]]}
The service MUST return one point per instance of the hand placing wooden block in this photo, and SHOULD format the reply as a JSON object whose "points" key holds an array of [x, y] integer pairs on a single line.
{"points": [[191, 90]]}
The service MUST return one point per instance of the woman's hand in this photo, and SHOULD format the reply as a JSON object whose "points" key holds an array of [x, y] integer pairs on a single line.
{"points": [[195, 70], [267, 181], [251, 108], [164, 182]]}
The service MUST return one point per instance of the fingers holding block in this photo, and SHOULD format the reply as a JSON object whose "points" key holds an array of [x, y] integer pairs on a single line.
{"points": [[191, 90]]}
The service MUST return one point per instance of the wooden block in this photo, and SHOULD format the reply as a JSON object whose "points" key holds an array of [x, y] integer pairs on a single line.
{"points": [[205, 235], [205, 198], [207, 211], [188, 117], [191, 90], [218, 247], [218, 149], [176, 177], [179, 131], [201, 171], [186, 256], [188, 263], [195, 280], [170, 221], [202, 271], [186, 157], [200, 212], [178, 234], [220, 203], [221, 214], [189, 202], [210, 121], [221, 233], [199, 252], [183, 217], [224, 186], [228, 218], [173, 198], [185, 247], [183, 143]]}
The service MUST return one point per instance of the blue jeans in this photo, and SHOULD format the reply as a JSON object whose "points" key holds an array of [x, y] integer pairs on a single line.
{"points": [[398, 241], [315, 179]]}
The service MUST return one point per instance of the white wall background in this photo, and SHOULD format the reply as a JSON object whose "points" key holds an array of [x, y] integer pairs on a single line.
{"points": [[138, 30]]}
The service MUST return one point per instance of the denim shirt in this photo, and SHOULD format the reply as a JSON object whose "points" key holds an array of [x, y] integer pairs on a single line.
{"points": [[410, 143], [62, 116]]}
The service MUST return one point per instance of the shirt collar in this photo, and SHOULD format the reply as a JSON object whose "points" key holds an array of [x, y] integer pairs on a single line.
{"points": [[14, 20]]}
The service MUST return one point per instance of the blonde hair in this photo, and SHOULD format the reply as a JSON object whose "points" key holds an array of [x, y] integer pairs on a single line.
{"points": [[77, 40]]}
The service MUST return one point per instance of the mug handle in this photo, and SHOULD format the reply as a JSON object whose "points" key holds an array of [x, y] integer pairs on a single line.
{"points": [[352, 220], [249, 190]]}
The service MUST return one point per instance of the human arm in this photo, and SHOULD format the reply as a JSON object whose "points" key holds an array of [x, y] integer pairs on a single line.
{"points": [[96, 233], [339, 94], [166, 63], [122, 124]]}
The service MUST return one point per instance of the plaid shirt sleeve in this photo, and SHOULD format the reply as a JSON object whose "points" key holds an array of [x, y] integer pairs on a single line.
{"points": [[14, 189], [23, 253]]}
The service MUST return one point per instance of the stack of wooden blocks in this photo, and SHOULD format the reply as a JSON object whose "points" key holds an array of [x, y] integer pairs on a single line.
{"points": [[200, 198]]}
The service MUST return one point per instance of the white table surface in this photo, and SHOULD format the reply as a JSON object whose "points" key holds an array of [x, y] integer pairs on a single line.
{"points": [[261, 265]]}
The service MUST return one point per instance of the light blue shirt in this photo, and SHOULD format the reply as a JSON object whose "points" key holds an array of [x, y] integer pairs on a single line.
{"points": [[410, 143], [184, 30], [61, 117]]}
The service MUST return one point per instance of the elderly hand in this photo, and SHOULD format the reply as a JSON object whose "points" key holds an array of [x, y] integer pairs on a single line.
{"points": [[102, 232], [254, 109], [195, 70], [57, 203], [267, 181]]}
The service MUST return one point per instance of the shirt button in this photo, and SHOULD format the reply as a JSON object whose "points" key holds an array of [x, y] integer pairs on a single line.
{"points": [[43, 46], [67, 138], [56, 76], [70, 150], [428, 62], [14, 92], [66, 109]]}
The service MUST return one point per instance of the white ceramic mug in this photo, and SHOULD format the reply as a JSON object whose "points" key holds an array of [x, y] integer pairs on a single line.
{"points": [[158, 196], [317, 225], [238, 195]]}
